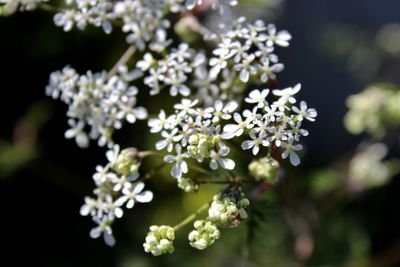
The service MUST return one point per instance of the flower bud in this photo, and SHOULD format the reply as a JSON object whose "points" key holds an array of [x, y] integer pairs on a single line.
{"points": [[159, 240], [204, 234], [265, 169], [187, 185], [127, 163]]}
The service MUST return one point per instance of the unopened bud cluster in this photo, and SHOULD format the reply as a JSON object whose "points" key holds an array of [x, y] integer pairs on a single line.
{"points": [[265, 169], [159, 240], [204, 234], [187, 185], [373, 110], [127, 162]]}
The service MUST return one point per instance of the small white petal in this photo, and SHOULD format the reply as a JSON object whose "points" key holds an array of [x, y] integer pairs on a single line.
{"points": [[118, 212], [227, 163], [145, 197], [95, 232], [130, 203], [176, 171], [255, 150], [244, 76], [247, 144], [213, 164], [82, 140], [109, 239], [138, 187], [294, 159]]}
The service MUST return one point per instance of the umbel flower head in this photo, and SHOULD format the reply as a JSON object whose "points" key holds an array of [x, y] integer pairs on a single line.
{"points": [[210, 107], [159, 240], [204, 234]]}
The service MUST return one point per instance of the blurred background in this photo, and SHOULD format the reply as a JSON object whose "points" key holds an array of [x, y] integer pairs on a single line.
{"points": [[325, 213]]}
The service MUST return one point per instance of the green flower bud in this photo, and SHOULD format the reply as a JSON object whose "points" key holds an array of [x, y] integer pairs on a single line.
{"points": [[187, 185], [204, 234], [265, 169], [159, 240], [127, 163]]}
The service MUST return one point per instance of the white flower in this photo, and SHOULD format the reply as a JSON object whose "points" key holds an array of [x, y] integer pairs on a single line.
{"points": [[65, 19], [169, 140], [157, 124], [132, 194], [105, 229], [217, 158], [287, 93], [278, 135], [226, 48], [146, 62], [180, 165], [186, 106], [217, 64], [77, 132], [103, 175], [176, 80], [281, 38], [231, 130], [255, 143], [112, 154], [303, 112], [290, 151], [245, 67], [122, 182], [223, 112], [257, 97], [267, 70], [89, 207]]}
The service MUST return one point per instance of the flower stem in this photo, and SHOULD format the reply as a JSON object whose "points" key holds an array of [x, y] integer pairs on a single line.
{"points": [[153, 172], [49, 8], [125, 57], [191, 217]]}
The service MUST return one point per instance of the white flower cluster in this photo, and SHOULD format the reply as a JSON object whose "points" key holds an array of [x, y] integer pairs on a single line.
{"points": [[278, 123], [8, 7], [96, 101], [172, 71], [99, 13], [243, 54], [204, 234], [159, 240], [143, 20], [247, 48], [193, 133], [213, 108], [115, 187]]}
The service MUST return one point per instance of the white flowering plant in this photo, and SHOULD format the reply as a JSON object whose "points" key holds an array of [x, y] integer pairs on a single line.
{"points": [[226, 106]]}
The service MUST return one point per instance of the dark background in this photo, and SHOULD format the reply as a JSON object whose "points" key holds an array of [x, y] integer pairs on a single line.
{"points": [[333, 54]]}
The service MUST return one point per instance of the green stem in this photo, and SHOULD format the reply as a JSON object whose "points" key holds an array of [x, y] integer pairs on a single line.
{"points": [[152, 172], [191, 217], [125, 57], [213, 182], [49, 8]]}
